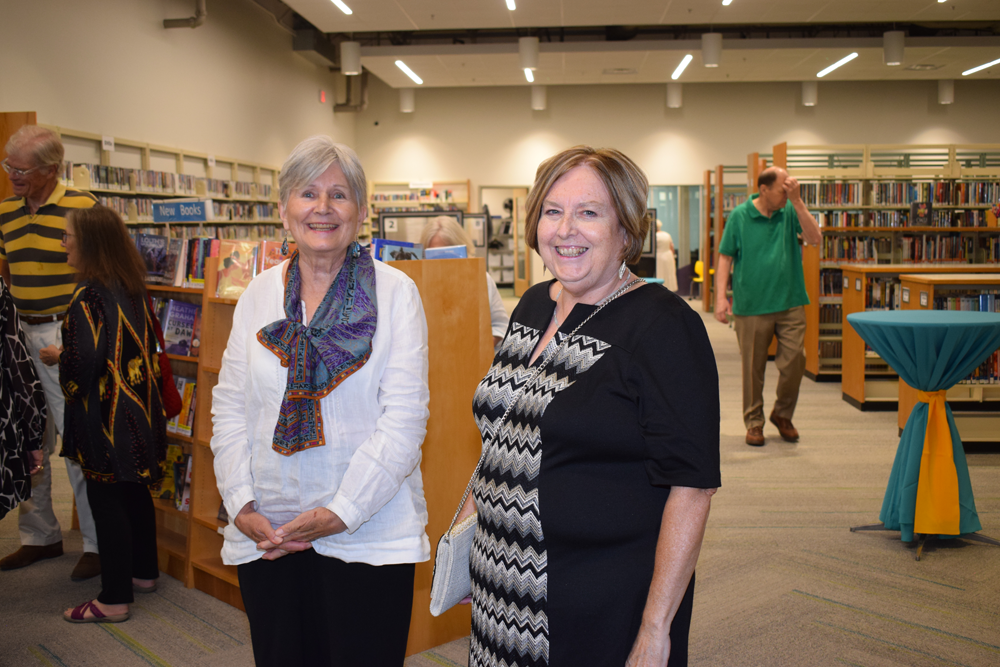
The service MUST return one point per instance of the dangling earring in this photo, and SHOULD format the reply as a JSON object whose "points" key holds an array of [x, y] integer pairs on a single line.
{"points": [[284, 246], [621, 270], [357, 249]]}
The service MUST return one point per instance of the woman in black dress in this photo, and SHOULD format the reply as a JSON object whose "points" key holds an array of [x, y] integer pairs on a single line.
{"points": [[115, 424], [595, 487]]}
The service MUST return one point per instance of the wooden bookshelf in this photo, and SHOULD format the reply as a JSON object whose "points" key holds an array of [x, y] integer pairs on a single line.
{"points": [[975, 406], [867, 382], [413, 196], [725, 188], [861, 195]]}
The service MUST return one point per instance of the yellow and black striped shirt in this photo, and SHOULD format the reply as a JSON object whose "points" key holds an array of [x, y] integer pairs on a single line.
{"points": [[42, 281]]}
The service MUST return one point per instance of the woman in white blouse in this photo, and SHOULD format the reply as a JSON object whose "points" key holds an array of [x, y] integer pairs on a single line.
{"points": [[319, 414]]}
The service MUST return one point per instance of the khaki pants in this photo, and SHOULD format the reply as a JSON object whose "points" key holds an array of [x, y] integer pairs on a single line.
{"points": [[754, 333]]}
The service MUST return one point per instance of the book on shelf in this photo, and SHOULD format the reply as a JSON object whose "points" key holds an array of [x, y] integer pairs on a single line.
{"points": [[195, 335], [166, 487], [182, 479], [447, 252], [153, 248], [386, 250], [237, 267], [178, 326], [920, 214], [270, 254], [179, 382], [200, 249], [185, 420]]}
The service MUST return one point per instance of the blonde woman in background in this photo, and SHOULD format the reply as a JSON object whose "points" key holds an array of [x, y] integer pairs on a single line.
{"points": [[444, 231]]}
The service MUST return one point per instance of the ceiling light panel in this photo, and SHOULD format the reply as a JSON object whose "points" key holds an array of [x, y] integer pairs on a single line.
{"points": [[837, 65], [980, 68], [343, 7], [409, 72], [685, 61]]}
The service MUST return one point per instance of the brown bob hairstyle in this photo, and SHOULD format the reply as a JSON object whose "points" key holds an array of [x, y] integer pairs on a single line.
{"points": [[106, 253], [625, 181]]}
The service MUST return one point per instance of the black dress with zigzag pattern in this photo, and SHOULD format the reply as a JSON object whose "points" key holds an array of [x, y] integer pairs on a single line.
{"points": [[571, 494]]}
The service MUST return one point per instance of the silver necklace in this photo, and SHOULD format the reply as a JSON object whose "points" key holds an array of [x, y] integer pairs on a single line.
{"points": [[614, 295]]}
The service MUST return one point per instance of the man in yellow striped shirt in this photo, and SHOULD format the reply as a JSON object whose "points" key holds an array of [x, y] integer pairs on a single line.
{"points": [[33, 263]]}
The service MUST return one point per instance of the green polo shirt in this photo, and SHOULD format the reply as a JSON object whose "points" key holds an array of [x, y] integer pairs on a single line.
{"points": [[767, 260]]}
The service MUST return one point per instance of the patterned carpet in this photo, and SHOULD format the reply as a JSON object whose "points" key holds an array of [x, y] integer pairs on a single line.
{"points": [[781, 580]]}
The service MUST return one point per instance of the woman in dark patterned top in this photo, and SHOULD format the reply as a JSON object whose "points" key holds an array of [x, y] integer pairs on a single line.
{"points": [[594, 491], [22, 410], [115, 424]]}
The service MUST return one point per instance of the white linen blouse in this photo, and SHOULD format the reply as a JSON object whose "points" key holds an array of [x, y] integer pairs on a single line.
{"points": [[368, 472]]}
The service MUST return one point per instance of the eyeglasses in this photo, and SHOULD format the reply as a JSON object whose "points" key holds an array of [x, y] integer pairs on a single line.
{"points": [[67, 235], [14, 171]]}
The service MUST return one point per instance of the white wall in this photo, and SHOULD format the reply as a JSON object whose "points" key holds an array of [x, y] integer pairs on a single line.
{"points": [[493, 137], [232, 87]]}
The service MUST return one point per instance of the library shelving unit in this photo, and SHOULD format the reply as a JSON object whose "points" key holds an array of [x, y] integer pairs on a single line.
{"points": [[134, 174], [173, 527], [975, 402], [725, 187], [861, 195], [867, 382], [208, 573], [424, 196]]}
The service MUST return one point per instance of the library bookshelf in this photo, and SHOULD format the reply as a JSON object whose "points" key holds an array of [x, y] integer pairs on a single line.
{"points": [[861, 195], [867, 382], [134, 174], [416, 196], [975, 402], [725, 188]]}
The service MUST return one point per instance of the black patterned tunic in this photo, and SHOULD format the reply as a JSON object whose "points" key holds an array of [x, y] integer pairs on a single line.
{"points": [[109, 372], [571, 494], [22, 409]]}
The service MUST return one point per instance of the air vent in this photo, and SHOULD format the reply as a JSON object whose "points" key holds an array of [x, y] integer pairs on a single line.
{"points": [[620, 71], [924, 67]]}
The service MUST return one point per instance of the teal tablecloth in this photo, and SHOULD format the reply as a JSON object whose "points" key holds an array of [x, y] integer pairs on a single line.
{"points": [[931, 350]]}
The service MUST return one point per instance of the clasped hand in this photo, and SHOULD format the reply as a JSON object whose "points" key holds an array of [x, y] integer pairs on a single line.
{"points": [[296, 535]]}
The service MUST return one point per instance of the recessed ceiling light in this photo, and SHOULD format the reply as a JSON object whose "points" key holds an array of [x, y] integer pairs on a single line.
{"points": [[409, 72], [620, 71], [923, 67], [980, 68], [726, 3], [510, 5], [842, 61], [680, 68], [528, 75], [344, 8]]}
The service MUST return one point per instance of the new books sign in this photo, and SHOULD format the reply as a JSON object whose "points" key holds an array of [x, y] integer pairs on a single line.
{"points": [[201, 210]]}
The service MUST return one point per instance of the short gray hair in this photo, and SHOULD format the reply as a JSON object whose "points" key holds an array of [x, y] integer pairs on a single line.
{"points": [[40, 143], [314, 156], [450, 232]]}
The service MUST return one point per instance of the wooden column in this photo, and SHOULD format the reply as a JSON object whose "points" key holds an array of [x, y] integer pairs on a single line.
{"points": [[11, 122], [460, 349]]}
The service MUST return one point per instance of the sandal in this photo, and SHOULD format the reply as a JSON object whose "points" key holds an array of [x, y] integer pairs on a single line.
{"points": [[78, 615]]}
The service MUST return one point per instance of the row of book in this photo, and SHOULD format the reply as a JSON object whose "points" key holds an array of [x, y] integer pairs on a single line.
{"points": [[417, 195], [976, 193], [952, 248], [181, 324], [832, 193], [731, 201], [831, 313], [262, 232], [389, 250], [137, 209], [938, 248], [987, 372], [176, 482], [831, 283], [831, 349], [183, 423], [103, 177], [982, 301], [883, 293], [182, 262], [855, 248]]}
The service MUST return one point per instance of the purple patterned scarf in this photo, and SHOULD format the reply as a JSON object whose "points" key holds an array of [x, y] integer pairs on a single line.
{"points": [[336, 344]]}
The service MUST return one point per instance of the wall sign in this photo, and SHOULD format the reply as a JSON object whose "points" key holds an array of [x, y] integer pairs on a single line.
{"points": [[923, 299], [857, 284], [906, 295]]}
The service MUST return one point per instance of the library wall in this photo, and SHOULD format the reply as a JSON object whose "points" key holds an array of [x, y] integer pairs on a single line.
{"points": [[232, 87], [491, 135]]}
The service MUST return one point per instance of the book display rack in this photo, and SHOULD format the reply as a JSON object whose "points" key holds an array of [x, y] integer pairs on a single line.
{"points": [[916, 206], [975, 402]]}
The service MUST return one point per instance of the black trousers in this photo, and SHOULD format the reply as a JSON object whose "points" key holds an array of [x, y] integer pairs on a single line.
{"points": [[308, 609], [126, 532]]}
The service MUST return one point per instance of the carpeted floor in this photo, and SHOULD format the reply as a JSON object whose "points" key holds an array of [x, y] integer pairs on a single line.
{"points": [[781, 580]]}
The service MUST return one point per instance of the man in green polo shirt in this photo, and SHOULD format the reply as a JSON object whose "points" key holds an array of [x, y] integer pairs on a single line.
{"points": [[760, 247]]}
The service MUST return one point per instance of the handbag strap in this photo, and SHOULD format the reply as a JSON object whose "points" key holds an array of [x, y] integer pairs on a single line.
{"points": [[513, 402]]}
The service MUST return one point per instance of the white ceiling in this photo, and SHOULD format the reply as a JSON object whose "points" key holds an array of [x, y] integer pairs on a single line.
{"points": [[650, 61]]}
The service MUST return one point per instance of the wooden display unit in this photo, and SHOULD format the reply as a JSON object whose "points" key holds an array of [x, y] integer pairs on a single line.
{"points": [[976, 407], [861, 196], [867, 382], [721, 197]]}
